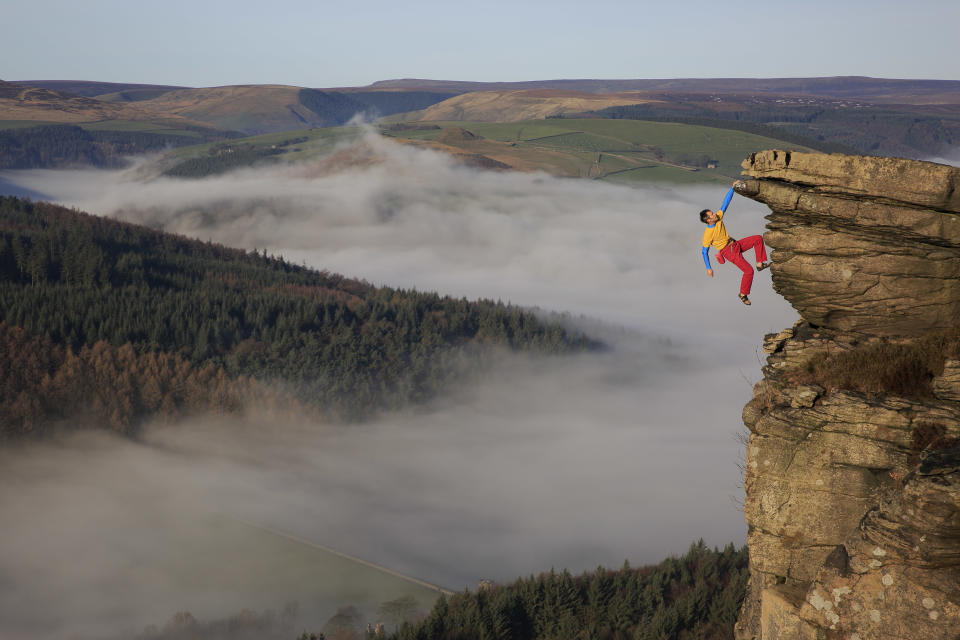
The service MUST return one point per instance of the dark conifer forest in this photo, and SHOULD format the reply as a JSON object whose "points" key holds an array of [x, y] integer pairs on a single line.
{"points": [[697, 595], [67, 145], [109, 323]]}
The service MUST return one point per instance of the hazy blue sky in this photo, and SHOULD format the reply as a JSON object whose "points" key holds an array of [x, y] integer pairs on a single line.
{"points": [[324, 44]]}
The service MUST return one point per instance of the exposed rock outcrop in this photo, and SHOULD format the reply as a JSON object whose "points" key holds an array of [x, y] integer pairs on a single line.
{"points": [[896, 575], [853, 510], [862, 244]]}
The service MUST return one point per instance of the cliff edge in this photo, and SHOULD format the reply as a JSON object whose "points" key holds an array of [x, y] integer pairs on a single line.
{"points": [[852, 471]]}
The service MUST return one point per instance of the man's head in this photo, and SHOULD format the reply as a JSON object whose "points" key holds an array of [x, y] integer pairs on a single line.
{"points": [[708, 217]]}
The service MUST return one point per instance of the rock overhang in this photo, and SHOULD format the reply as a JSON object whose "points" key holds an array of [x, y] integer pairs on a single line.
{"points": [[862, 244]]}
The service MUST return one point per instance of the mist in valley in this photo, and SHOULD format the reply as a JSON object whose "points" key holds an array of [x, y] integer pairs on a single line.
{"points": [[629, 452]]}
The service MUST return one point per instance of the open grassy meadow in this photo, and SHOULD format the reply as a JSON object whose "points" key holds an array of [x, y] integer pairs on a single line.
{"points": [[216, 566], [615, 150]]}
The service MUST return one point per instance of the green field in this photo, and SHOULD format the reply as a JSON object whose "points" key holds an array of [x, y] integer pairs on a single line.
{"points": [[246, 565], [623, 150]]}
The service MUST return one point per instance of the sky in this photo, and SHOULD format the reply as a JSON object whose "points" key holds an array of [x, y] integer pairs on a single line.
{"points": [[330, 44]]}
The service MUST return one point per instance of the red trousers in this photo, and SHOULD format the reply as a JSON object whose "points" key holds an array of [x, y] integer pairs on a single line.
{"points": [[734, 253]]}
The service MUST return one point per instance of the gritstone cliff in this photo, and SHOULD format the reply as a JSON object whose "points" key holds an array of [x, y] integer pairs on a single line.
{"points": [[853, 478]]}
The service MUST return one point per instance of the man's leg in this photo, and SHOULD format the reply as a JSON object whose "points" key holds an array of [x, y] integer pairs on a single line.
{"points": [[734, 254], [755, 243]]}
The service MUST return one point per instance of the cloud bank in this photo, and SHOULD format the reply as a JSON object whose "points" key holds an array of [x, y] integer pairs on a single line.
{"points": [[557, 462]]}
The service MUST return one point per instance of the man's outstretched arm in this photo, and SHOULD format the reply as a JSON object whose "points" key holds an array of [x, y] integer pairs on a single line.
{"points": [[726, 202]]}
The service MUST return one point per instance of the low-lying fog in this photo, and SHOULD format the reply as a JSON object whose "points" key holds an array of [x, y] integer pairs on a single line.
{"points": [[631, 453]]}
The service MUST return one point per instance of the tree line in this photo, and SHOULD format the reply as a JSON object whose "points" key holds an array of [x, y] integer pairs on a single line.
{"points": [[697, 596]]}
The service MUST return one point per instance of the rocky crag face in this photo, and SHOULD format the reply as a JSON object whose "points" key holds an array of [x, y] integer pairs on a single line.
{"points": [[853, 496], [862, 244]]}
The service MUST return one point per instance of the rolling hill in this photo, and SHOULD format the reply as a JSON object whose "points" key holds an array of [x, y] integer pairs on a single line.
{"points": [[257, 108], [828, 123], [93, 89], [31, 104], [134, 119], [260, 109], [46, 128], [525, 104]]}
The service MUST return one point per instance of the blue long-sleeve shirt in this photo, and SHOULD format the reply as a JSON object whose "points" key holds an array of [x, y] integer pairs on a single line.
{"points": [[710, 227]]}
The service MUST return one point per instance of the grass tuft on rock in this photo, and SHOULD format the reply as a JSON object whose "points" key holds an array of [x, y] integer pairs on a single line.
{"points": [[904, 368]]}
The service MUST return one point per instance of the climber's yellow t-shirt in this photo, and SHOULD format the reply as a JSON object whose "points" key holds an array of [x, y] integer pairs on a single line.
{"points": [[716, 236]]}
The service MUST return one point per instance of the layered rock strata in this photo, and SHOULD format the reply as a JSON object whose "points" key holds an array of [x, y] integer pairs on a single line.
{"points": [[854, 518], [869, 245]]}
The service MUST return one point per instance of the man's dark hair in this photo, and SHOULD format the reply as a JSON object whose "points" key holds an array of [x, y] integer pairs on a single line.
{"points": [[703, 215]]}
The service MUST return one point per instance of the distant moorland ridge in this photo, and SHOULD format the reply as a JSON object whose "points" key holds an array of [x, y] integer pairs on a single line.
{"points": [[848, 87], [905, 91], [876, 116]]}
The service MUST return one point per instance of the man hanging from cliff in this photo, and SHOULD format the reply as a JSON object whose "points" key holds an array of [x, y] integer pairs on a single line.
{"points": [[716, 235]]}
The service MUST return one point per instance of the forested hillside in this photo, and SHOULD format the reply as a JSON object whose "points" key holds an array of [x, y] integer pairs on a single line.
{"points": [[69, 145], [110, 323], [695, 596]]}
